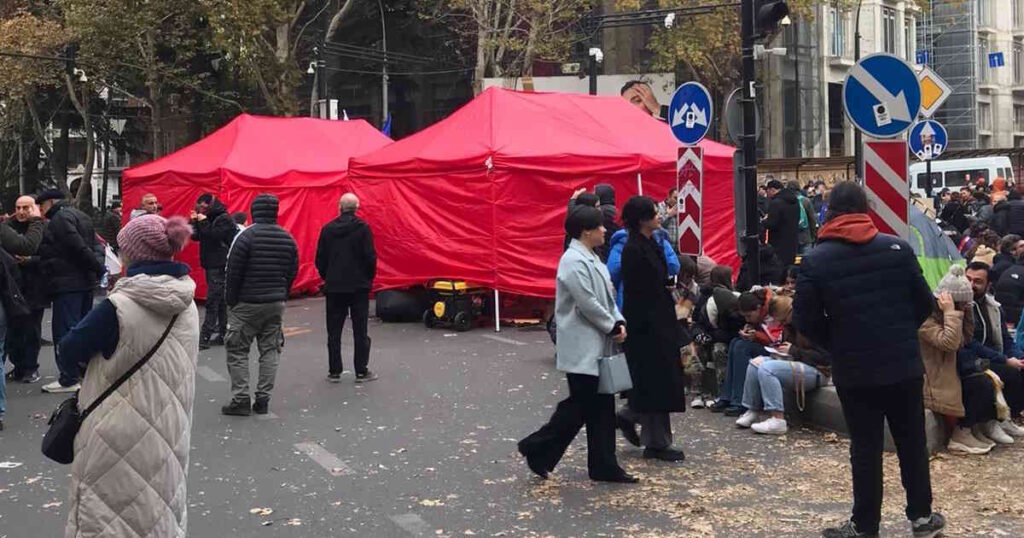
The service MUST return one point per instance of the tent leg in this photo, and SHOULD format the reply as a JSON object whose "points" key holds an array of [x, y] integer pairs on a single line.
{"points": [[639, 185], [497, 313]]}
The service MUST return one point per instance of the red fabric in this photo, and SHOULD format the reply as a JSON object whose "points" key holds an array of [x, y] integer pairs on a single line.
{"points": [[302, 161], [481, 195]]}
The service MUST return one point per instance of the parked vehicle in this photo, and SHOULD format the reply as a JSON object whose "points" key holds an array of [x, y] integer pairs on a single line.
{"points": [[956, 173]]}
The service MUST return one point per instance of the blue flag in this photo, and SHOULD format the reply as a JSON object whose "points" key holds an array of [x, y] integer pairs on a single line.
{"points": [[386, 128]]}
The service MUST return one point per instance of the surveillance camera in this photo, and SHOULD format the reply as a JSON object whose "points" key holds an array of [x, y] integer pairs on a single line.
{"points": [[80, 74], [670, 20], [597, 54], [312, 68], [785, 21]]}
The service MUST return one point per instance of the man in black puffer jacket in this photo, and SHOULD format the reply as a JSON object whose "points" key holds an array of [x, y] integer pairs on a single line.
{"points": [[260, 270], [21, 237], [347, 261], [783, 222], [67, 261], [606, 194], [861, 295], [214, 229]]}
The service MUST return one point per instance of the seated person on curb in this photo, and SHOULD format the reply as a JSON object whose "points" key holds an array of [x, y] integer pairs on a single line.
{"points": [[797, 364], [716, 320], [766, 312], [992, 341], [964, 397]]}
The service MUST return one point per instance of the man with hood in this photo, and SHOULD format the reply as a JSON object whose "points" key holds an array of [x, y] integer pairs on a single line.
{"points": [[347, 262], [606, 194], [260, 270], [214, 229], [861, 295], [783, 221]]}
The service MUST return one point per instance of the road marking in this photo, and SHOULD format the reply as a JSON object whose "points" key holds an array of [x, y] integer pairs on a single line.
{"points": [[504, 340], [295, 331], [210, 374], [411, 523], [325, 459]]}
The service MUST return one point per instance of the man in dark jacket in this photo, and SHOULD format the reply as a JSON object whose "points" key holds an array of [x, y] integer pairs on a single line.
{"points": [[1009, 292], [861, 295], [110, 224], [606, 194], [783, 222], [67, 259], [214, 229], [1011, 247], [21, 237], [347, 262], [260, 272], [992, 340]]}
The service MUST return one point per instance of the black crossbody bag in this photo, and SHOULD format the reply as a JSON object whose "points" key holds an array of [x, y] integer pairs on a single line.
{"points": [[59, 441]]}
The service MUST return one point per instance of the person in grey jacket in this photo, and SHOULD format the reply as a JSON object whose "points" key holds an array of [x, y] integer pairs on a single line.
{"points": [[588, 321]]}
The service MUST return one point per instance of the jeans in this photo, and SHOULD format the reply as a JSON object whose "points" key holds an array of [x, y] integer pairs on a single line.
{"points": [[68, 309], [216, 320], [584, 405], [24, 341], [3, 380], [865, 410], [338, 307], [248, 322], [765, 383], [740, 353]]}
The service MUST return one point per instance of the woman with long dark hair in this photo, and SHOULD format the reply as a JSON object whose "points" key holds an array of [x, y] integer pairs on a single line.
{"points": [[652, 350]]}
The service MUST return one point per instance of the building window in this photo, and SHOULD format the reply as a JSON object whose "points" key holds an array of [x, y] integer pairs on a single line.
{"points": [[908, 37], [1018, 62], [984, 13], [837, 45], [1018, 13], [889, 30], [983, 59], [1018, 118], [984, 117]]}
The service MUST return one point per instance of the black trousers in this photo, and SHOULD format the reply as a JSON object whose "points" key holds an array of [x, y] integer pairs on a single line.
{"points": [[339, 305], [584, 406], [979, 398], [216, 320], [24, 336], [1013, 386], [865, 409]]}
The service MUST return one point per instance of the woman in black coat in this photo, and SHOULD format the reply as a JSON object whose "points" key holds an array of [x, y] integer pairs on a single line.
{"points": [[652, 349]]}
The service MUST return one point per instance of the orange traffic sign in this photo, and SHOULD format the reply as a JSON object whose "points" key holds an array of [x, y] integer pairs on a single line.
{"points": [[934, 91]]}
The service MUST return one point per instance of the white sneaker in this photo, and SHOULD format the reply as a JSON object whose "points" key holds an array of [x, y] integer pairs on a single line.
{"points": [[992, 430], [981, 437], [962, 442], [1011, 429], [772, 426], [697, 403], [57, 388], [748, 419]]}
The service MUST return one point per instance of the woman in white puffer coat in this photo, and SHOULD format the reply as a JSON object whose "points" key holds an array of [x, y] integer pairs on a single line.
{"points": [[128, 479]]}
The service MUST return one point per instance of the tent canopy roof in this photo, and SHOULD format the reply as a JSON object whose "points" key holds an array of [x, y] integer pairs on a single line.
{"points": [[267, 147], [565, 132]]}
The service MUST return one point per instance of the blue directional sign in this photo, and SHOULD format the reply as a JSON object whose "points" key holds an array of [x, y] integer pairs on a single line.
{"points": [[995, 59], [921, 57], [882, 95], [690, 113], [928, 139]]}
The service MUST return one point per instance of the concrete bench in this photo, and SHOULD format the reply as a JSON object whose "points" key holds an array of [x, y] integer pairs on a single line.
{"points": [[823, 411]]}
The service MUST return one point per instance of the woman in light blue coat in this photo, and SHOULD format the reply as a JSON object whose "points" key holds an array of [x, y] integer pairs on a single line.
{"points": [[588, 322]]}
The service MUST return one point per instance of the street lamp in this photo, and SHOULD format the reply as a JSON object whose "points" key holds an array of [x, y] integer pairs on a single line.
{"points": [[384, 64]]}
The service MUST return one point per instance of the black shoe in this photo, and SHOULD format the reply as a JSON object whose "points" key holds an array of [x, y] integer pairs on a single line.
{"points": [[931, 528], [537, 469], [365, 377], [664, 454], [204, 345], [847, 530], [237, 408], [623, 478], [216, 341], [735, 411], [628, 429], [1, 424], [30, 378], [44, 342], [261, 405], [718, 406], [13, 376], [334, 378]]}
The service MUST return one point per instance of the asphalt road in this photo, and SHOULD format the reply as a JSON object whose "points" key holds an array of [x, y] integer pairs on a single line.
{"points": [[429, 450]]}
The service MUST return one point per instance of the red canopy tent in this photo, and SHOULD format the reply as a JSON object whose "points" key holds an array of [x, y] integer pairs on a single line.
{"points": [[481, 196], [302, 161]]}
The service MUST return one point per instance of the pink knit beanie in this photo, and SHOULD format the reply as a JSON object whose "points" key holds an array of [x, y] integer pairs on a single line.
{"points": [[153, 238]]}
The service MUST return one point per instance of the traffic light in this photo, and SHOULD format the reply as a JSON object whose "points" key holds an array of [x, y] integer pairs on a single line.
{"points": [[767, 16]]}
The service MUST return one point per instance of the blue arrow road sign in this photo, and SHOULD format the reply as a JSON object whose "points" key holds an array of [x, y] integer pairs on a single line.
{"points": [[882, 95], [928, 139], [995, 59], [690, 113]]}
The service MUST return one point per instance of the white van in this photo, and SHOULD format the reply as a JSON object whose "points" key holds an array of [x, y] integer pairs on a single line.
{"points": [[955, 173]]}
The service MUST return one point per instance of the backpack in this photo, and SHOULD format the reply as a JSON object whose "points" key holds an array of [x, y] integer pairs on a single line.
{"points": [[803, 212]]}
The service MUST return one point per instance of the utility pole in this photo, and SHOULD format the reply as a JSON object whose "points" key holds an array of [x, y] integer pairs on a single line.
{"points": [[384, 64], [752, 235]]}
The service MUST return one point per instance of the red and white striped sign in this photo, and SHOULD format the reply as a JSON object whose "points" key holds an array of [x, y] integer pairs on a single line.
{"points": [[690, 182], [885, 180]]}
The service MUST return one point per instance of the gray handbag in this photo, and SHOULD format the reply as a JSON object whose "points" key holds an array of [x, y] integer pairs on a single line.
{"points": [[613, 372]]}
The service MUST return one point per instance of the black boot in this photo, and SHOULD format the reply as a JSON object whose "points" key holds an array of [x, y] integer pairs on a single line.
{"points": [[237, 408], [260, 406]]}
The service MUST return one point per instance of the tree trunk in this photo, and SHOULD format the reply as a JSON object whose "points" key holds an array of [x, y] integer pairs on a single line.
{"points": [[155, 97], [83, 198], [480, 70]]}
